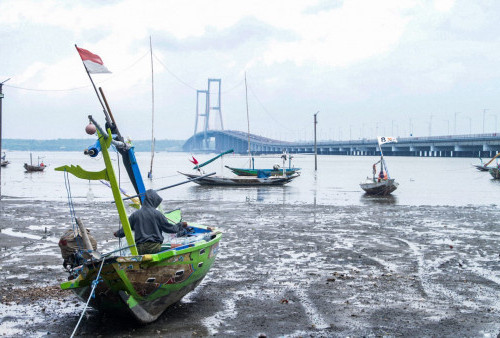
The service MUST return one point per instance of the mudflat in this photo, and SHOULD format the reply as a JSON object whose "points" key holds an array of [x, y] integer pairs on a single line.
{"points": [[282, 270]]}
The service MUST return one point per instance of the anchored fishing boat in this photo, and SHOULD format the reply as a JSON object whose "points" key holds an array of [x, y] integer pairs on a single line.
{"points": [[122, 281], [486, 166], [383, 184], [262, 178], [241, 180], [32, 167], [3, 160], [275, 171]]}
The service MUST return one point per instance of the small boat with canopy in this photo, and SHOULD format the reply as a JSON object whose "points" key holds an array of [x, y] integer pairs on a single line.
{"points": [[486, 166], [276, 170], [262, 177]]}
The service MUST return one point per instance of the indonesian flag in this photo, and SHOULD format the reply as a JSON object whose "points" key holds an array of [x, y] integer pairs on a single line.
{"points": [[386, 139], [92, 62]]}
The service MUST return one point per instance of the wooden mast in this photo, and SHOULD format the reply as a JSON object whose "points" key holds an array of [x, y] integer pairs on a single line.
{"points": [[248, 123], [150, 173]]}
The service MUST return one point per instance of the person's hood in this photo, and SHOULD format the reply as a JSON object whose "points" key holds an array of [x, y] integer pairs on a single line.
{"points": [[152, 199]]}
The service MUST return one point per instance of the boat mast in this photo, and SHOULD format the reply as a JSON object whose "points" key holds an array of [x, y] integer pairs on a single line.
{"points": [[248, 122], [150, 173], [382, 161], [1, 99]]}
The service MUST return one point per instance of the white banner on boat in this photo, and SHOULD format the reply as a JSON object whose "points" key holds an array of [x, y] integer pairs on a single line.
{"points": [[386, 139]]}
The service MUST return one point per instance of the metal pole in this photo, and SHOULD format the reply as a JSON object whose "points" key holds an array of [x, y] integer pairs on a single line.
{"points": [[484, 116], [1, 99], [315, 144], [248, 121]]}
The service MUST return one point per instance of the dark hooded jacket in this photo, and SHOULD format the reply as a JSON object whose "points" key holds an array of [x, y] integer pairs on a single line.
{"points": [[148, 222]]}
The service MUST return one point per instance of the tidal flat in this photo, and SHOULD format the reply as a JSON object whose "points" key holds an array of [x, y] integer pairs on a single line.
{"points": [[288, 270]]}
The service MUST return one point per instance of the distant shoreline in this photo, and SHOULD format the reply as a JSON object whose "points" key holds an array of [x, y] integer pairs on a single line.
{"points": [[79, 144]]}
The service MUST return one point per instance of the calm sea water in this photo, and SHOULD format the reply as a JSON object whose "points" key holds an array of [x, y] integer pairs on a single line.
{"points": [[422, 181]]}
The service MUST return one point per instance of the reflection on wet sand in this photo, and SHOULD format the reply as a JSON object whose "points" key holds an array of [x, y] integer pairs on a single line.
{"points": [[378, 200]]}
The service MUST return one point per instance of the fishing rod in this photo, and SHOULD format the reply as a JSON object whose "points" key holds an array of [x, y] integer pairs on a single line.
{"points": [[171, 186]]}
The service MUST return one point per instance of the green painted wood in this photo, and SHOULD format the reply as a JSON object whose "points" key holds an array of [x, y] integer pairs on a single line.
{"points": [[84, 174], [105, 143]]}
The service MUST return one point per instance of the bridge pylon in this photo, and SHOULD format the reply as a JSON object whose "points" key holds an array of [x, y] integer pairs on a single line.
{"points": [[209, 104]]}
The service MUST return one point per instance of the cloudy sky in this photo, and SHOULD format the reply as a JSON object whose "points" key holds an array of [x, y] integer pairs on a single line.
{"points": [[370, 67]]}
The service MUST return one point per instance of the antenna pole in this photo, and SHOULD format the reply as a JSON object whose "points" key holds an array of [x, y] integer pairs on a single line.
{"points": [[248, 121], [315, 143], [1, 99]]}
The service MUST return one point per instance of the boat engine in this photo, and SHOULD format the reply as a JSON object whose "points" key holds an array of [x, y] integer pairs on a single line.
{"points": [[72, 248]]}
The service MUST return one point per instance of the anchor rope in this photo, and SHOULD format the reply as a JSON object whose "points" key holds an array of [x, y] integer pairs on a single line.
{"points": [[94, 285], [72, 212]]}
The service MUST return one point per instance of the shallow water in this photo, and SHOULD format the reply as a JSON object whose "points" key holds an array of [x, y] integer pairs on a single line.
{"points": [[314, 258], [422, 181]]}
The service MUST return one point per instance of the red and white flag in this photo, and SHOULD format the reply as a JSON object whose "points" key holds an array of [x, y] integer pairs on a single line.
{"points": [[194, 161], [92, 62]]}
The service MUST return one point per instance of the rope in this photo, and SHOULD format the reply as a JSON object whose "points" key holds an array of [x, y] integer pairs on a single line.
{"points": [[267, 111], [168, 176], [72, 208], [94, 285], [119, 187]]}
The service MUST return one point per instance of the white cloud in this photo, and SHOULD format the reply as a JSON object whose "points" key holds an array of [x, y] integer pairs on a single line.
{"points": [[300, 56]]}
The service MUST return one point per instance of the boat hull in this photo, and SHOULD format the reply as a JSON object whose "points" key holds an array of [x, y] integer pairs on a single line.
{"points": [[31, 168], [145, 286], [384, 187], [482, 167], [268, 172], [242, 180], [495, 173]]}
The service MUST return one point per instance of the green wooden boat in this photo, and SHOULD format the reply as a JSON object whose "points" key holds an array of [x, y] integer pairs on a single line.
{"points": [[140, 285], [267, 172]]}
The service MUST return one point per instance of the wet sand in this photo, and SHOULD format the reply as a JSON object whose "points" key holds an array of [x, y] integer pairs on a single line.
{"points": [[283, 270]]}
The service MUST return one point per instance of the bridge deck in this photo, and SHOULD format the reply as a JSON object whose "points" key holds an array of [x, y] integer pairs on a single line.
{"points": [[482, 145]]}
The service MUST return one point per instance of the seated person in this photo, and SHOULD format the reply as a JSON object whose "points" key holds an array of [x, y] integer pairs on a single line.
{"points": [[148, 224]]}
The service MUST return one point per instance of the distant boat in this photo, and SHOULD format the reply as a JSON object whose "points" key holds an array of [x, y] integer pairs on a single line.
{"points": [[261, 179], [3, 160], [241, 180], [383, 184], [254, 172], [485, 167], [383, 187], [275, 171], [31, 167]]}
